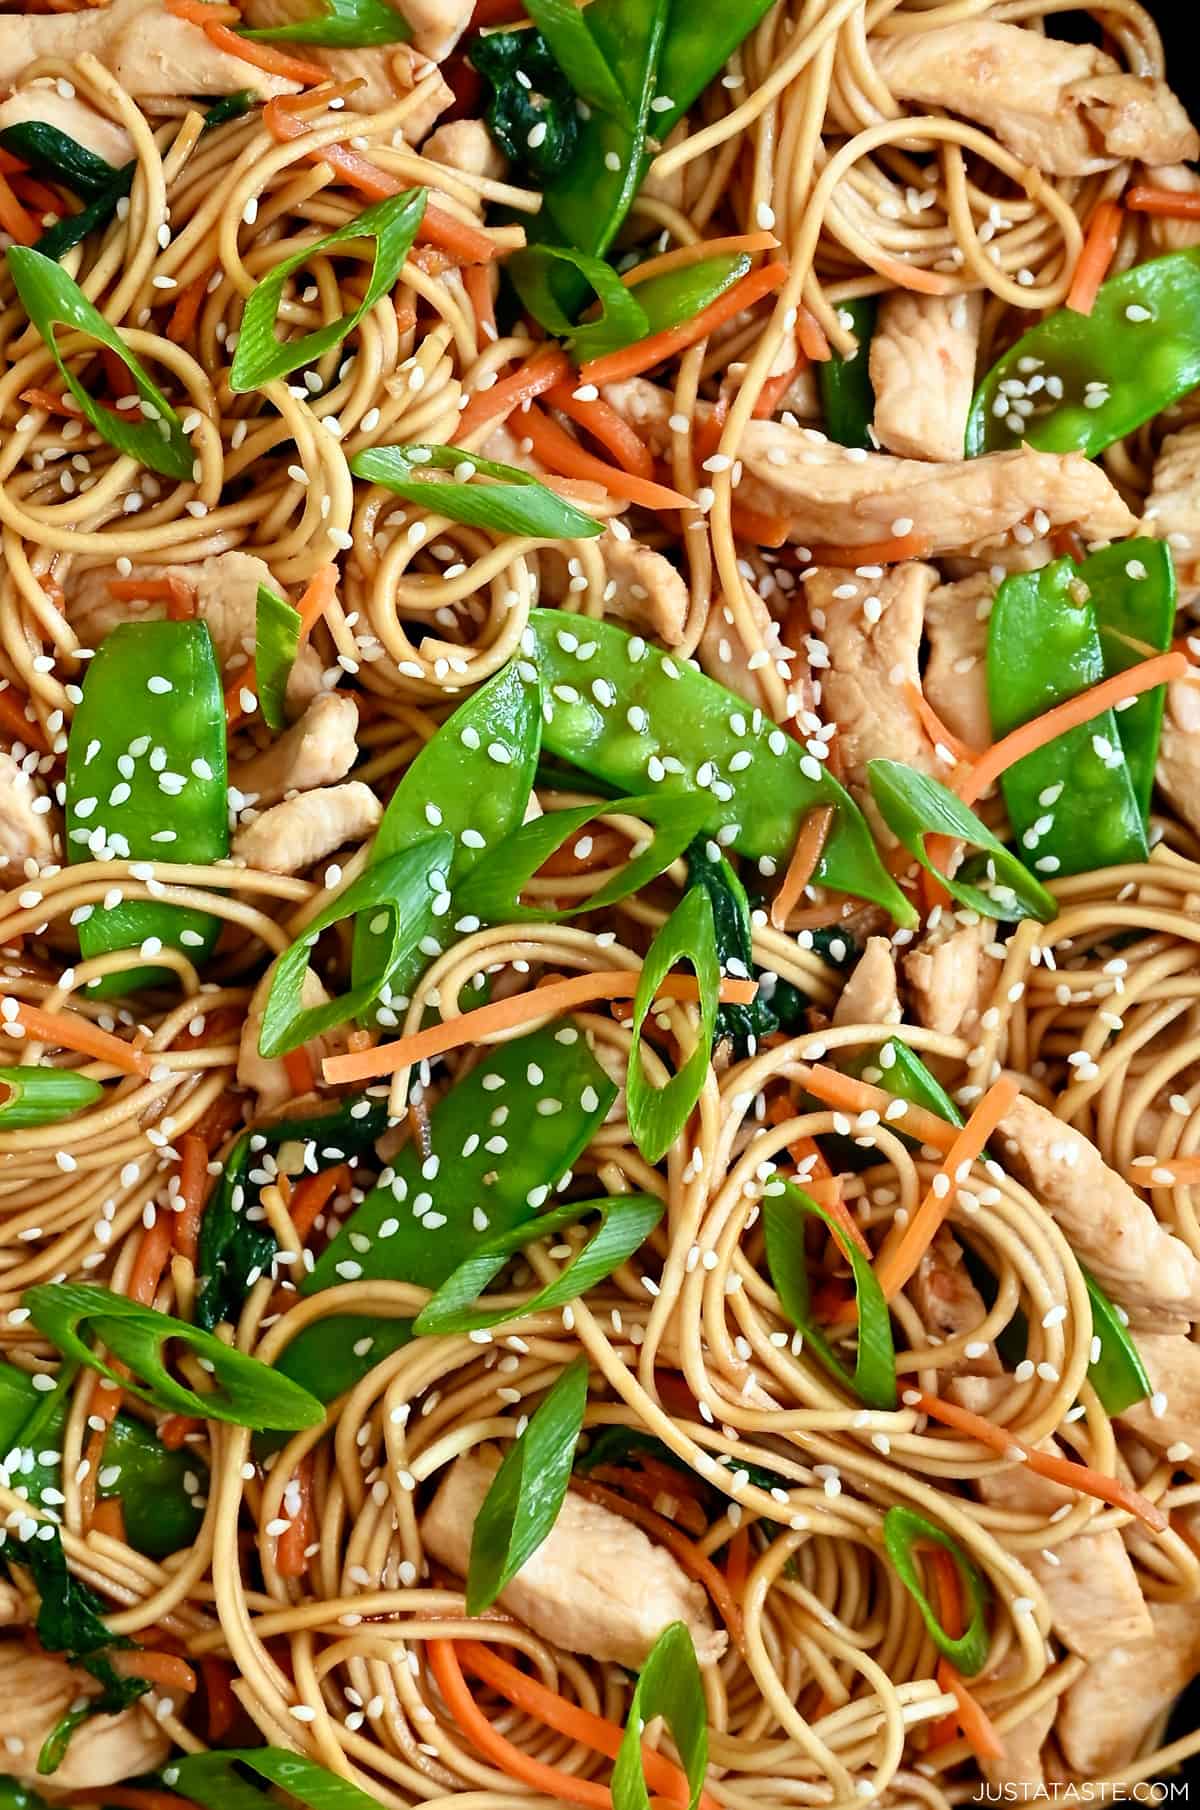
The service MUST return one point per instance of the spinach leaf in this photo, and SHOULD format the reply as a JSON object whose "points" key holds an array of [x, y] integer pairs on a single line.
{"points": [[776, 1007], [532, 112]]}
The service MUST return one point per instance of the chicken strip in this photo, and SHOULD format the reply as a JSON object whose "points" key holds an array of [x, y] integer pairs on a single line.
{"points": [[950, 1305], [317, 751], [151, 52], [923, 354], [1107, 1716], [1173, 507], [1022, 1742], [955, 676], [291, 836], [43, 103], [466, 145], [724, 656], [1172, 1415], [27, 823], [386, 72], [642, 587], [1111, 1229], [39, 1689], [1067, 109], [595, 1585], [869, 996], [950, 975], [1178, 768]]}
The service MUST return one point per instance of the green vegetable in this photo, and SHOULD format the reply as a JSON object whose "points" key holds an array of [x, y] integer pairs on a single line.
{"points": [[234, 1249], [492, 890], [230, 106], [160, 1516], [1077, 382], [69, 1622], [1072, 803], [341, 25], [680, 295], [260, 356], [525, 1495], [1117, 1374], [41, 1096], [217, 1781], [565, 29], [146, 779], [536, 276], [1134, 596], [407, 892], [15, 1796], [477, 772], [777, 1003], [515, 504], [847, 399], [904, 1529], [626, 1221], [531, 113], [906, 1076], [245, 1392], [53, 299], [657, 1115], [57, 157], [668, 1686], [915, 806], [785, 1207], [276, 644], [692, 736]]}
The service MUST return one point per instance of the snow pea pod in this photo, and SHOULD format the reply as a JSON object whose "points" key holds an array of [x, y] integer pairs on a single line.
{"points": [[847, 399], [146, 780], [1116, 1372], [1072, 803], [1134, 595], [628, 713], [1077, 382]]}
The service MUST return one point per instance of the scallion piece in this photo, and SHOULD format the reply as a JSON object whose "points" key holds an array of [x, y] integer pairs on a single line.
{"points": [[340, 25], [657, 1115], [41, 1096], [903, 1531], [276, 643], [669, 1686], [515, 503]]}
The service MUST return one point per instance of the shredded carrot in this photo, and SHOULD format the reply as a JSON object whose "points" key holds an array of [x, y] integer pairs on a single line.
{"points": [[298, 1067], [203, 12], [478, 284], [737, 1561], [291, 1548], [465, 244], [644, 354], [175, 1429], [171, 589], [873, 553], [761, 529], [948, 1586], [32, 193], [845, 1094], [313, 1194], [933, 725], [911, 276], [14, 721], [108, 1517], [814, 833], [895, 1267], [241, 679], [220, 1704], [550, 1001], [1144, 198], [975, 780], [1163, 1172], [545, 368], [561, 454], [811, 336], [319, 593], [776, 388], [187, 307], [72, 1031], [119, 382], [266, 56], [151, 1258], [52, 402], [166, 1670], [602, 421], [193, 1187], [1099, 249], [10, 165], [972, 1718], [1079, 1477], [581, 1725], [279, 117], [14, 219]]}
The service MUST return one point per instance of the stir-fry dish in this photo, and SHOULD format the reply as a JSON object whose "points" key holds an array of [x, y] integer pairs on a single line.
{"points": [[600, 932]]}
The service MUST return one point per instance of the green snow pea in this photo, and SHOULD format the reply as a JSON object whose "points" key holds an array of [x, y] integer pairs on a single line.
{"points": [[693, 736], [146, 780], [847, 399], [1077, 382], [217, 1780], [1134, 594], [1117, 1372], [57, 157], [1072, 803]]}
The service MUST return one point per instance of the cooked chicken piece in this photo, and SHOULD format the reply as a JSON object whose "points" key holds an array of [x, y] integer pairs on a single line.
{"points": [[226, 591], [14, 1608], [724, 656], [869, 996], [151, 52], [949, 1303], [1110, 1228], [387, 71], [268, 1076], [644, 588], [1064, 108], [950, 976], [25, 834], [955, 677], [1000, 556], [39, 1689], [466, 145], [1022, 1742], [1107, 1715], [1173, 235], [1173, 1365], [1173, 506], [1178, 769], [437, 25], [923, 356], [872, 629], [317, 751], [802, 396], [43, 102], [595, 1585], [289, 837]]}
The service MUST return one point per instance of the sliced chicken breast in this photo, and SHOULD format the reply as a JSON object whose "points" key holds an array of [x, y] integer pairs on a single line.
{"points": [[151, 52], [1108, 1715], [1173, 507], [293, 835], [29, 822], [923, 355], [318, 750], [39, 1689], [950, 975], [950, 1305], [869, 996], [955, 676]]}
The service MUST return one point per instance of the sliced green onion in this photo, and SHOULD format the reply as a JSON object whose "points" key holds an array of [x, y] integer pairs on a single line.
{"points": [[276, 644], [626, 1221], [1117, 1374], [260, 357], [914, 806], [657, 1115], [53, 299], [536, 275], [41, 1096], [525, 1495], [904, 1529], [245, 1392], [230, 106], [215, 1780], [669, 1686], [680, 295], [516, 504], [784, 1209], [341, 25], [58, 157]]}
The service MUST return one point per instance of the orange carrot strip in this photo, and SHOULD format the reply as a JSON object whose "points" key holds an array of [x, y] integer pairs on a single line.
{"points": [[319, 593], [1080, 1477], [845, 1094], [203, 12], [911, 276], [814, 832], [933, 725], [108, 1517], [1170, 1171], [644, 354], [72, 1031], [826, 1190], [193, 1187], [604, 424], [477, 284], [148, 1265], [298, 1067], [975, 780], [545, 367], [811, 336], [465, 243], [756, 526], [14, 219], [776, 388], [313, 1194], [174, 1430], [1099, 248], [685, 255], [872, 553], [221, 1705], [178, 595], [1144, 198], [561, 454], [10, 165], [266, 56], [291, 1547], [972, 1718], [737, 1562], [504, 1014], [53, 403], [186, 311], [166, 1670], [32, 193], [15, 723]]}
